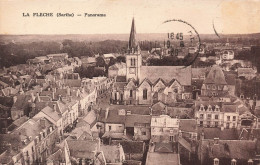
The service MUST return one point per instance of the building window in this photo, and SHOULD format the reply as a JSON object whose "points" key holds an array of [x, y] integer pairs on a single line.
{"points": [[216, 124], [234, 118], [144, 133], [208, 124], [201, 123], [216, 116], [228, 118], [209, 116], [171, 138], [109, 128], [227, 125], [131, 93], [201, 116], [234, 125], [145, 94], [208, 86]]}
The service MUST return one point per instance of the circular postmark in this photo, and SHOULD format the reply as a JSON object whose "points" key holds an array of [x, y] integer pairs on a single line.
{"points": [[181, 40]]}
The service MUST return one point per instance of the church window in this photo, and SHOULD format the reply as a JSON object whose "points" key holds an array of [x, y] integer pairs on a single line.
{"points": [[145, 94], [134, 61], [131, 93]]}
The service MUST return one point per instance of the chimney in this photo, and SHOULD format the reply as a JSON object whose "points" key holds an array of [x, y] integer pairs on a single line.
{"points": [[38, 96], [107, 111], [68, 90], [14, 99], [53, 95], [54, 107], [98, 144], [42, 123], [8, 148], [60, 98], [33, 97]]}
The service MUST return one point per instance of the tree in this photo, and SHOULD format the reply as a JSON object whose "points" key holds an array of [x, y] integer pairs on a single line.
{"points": [[120, 59], [100, 62]]}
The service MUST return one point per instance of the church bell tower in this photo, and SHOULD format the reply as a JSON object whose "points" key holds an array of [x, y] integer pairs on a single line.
{"points": [[133, 56]]}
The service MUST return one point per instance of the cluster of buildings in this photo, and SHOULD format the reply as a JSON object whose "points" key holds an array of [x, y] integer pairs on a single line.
{"points": [[40, 109], [136, 115]]}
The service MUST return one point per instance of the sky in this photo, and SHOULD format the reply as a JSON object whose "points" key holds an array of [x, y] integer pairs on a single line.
{"points": [[229, 17]]}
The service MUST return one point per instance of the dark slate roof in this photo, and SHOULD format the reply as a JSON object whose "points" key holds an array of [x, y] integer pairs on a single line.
{"points": [[234, 149], [133, 147], [226, 134], [188, 125], [215, 76], [113, 117], [230, 78], [21, 102], [131, 120], [167, 73]]}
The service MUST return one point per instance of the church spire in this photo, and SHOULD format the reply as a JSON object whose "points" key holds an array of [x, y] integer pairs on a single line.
{"points": [[133, 46]]}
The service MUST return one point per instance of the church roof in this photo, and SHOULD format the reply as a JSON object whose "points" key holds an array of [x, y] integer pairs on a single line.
{"points": [[215, 76], [167, 73]]}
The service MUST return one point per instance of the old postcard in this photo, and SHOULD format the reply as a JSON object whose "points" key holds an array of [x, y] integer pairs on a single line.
{"points": [[117, 82]]}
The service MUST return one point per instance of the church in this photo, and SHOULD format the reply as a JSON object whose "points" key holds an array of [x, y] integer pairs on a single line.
{"points": [[146, 85]]}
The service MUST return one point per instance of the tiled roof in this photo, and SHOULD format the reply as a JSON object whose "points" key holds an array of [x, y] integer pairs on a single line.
{"points": [[82, 148], [199, 72], [155, 158], [215, 76], [163, 147], [111, 153], [51, 113], [72, 82], [167, 73]]}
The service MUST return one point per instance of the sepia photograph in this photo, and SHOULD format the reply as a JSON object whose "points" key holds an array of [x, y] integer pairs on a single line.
{"points": [[140, 82]]}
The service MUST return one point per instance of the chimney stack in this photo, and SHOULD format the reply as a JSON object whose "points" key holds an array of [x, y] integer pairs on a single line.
{"points": [[107, 111], [38, 96], [54, 107], [68, 90]]}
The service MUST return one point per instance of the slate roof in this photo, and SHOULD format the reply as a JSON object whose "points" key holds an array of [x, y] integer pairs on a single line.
{"points": [[131, 147], [31, 128], [226, 134], [215, 76], [235, 149], [167, 73], [21, 103], [131, 120], [113, 117], [188, 125]]}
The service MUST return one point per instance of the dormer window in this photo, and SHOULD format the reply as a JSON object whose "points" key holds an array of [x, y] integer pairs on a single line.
{"points": [[217, 108], [216, 161], [210, 108], [233, 162], [201, 107]]}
